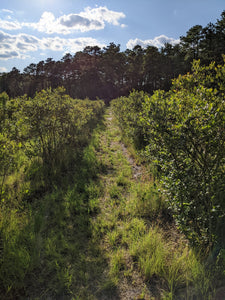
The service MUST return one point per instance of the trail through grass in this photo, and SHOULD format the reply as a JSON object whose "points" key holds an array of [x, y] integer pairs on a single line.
{"points": [[148, 258], [107, 234]]}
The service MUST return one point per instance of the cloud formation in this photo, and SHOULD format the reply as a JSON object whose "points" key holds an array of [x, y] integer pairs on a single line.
{"points": [[103, 14], [80, 23], [158, 42], [8, 11], [17, 46], [3, 69], [89, 19], [9, 25]]}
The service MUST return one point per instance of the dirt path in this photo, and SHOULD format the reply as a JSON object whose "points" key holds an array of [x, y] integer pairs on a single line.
{"points": [[137, 170], [117, 161]]}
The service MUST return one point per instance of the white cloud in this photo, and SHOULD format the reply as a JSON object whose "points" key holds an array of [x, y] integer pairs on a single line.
{"points": [[89, 19], [158, 42], [7, 11], [103, 14], [7, 22], [68, 45], [64, 24], [16, 46], [3, 69], [45, 24], [9, 54], [10, 25], [80, 23]]}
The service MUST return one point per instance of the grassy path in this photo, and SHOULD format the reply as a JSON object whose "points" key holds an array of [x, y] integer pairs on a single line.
{"points": [[119, 176], [146, 256], [129, 223], [106, 234]]}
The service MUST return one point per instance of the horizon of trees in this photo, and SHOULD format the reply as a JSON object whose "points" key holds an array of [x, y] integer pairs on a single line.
{"points": [[109, 73]]}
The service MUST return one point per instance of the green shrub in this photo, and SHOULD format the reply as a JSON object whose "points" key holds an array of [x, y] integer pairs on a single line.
{"points": [[43, 150], [185, 130], [183, 134]]}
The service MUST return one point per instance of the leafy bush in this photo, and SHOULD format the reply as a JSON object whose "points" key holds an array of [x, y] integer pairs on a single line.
{"points": [[184, 135], [7, 152], [128, 110], [42, 142], [185, 130]]}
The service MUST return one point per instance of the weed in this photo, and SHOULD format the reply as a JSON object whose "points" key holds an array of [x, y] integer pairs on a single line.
{"points": [[133, 231], [114, 238], [117, 263], [123, 180], [115, 192], [145, 201]]}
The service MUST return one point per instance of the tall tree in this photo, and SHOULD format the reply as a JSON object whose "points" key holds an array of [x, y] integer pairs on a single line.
{"points": [[191, 43], [152, 69], [113, 67], [220, 38], [134, 70]]}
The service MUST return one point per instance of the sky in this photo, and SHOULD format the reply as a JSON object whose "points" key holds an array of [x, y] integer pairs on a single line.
{"points": [[34, 30]]}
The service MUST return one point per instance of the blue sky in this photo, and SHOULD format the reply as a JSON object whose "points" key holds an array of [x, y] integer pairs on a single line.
{"points": [[34, 30]]}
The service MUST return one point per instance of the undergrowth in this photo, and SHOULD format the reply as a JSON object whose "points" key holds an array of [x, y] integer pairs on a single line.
{"points": [[46, 246], [103, 233]]}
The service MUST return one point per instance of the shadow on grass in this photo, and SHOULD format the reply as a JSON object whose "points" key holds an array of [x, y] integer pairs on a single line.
{"points": [[67, 261]]}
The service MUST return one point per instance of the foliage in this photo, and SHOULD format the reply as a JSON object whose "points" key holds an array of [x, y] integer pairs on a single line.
{"points": [[185, 129], [127, 111], [3, 99], [42, 149], [51, 124], [7, 153], [184, 133]]}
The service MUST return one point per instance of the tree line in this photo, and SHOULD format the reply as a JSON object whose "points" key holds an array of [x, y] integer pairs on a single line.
{"points": [[109, 73]]}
